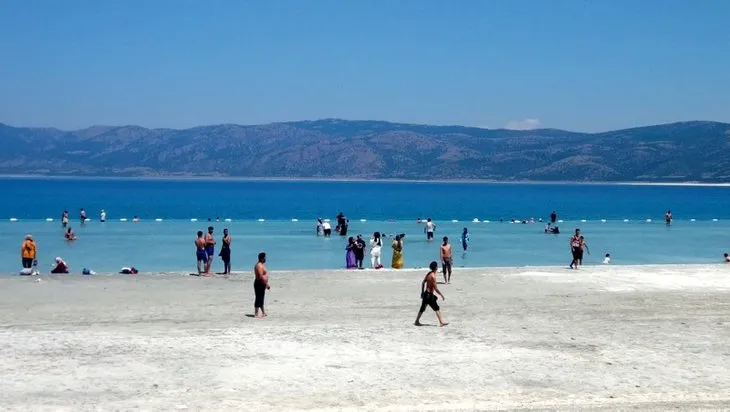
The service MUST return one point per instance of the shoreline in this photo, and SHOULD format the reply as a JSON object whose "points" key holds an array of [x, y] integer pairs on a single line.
{"points": [[359, 180], [590, 268]]}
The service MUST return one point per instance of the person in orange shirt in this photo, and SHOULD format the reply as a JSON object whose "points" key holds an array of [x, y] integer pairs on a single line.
{"points": [[28, 251]]}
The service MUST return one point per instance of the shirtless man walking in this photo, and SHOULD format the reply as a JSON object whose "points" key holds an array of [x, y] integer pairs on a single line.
{"points": [[428, 298], [200, 252], [260, 285], [446, 259], [209, 249]]}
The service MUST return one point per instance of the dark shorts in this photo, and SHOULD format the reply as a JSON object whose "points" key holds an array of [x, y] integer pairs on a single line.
{"points": [[429, 299], [210, 251], [429, 235], [259, 290], [226, 255], [27, 263], [577, 253], [201, 255], [446, 264], [327, 232]]}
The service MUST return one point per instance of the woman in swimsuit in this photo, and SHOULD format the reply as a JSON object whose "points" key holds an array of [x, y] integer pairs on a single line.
{"points": [[576, 248]]}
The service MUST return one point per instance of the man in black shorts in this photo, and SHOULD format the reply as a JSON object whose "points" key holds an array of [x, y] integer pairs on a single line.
{"points": [[428, 298]]}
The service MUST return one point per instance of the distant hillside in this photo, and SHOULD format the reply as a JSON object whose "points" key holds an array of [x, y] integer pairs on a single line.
{"points": [[688, 151]]}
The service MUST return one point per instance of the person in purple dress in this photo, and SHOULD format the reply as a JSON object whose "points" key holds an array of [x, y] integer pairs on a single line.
{"points": [[350, 259]]}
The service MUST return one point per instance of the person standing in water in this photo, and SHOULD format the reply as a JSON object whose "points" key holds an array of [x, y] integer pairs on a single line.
{"points": [[82, 216], [576, 249], [359, 251], [326, 228], [429, 289], [319, 228], [668, 217], [376, 244], [225, 252], [200, 253], [429, 228], [260, 286], [102, 216], [64, 219], [465, 239], [397, 262], [447, 259], [553, 217], [209, 249], [28, 252]]}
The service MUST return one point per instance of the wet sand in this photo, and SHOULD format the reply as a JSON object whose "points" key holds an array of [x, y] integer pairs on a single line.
{"points": [[607, 338]]}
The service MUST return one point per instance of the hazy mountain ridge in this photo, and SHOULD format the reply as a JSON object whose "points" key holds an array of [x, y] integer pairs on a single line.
{"points": [[332, 148]]}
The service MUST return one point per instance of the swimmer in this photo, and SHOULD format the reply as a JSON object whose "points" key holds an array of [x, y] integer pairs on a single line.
{"points": [[429, 289], [200, 252], [135, 219], [607, 259], [429, 228], [102, 216], [576, 248], [447, 260], [70, 234], [727, 258], [82, 216], [209, 249], [260, 286], [668, 217], [465, 239]]}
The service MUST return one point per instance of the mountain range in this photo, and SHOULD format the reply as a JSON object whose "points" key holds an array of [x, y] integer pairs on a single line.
{"points": [[332, 148]]}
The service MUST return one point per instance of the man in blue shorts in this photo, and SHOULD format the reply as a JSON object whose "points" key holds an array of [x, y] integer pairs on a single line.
{"points": [[209, 249], [200, 252]]}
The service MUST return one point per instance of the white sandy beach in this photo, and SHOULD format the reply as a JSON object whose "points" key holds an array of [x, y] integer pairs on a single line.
{"points": [[641, 337]]}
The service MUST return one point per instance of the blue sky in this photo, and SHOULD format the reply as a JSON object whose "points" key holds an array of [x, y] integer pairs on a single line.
{"points": [[578, 65]]}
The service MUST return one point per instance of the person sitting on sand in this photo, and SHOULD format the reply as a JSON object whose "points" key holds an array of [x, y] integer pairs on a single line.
{"points": [[70, 234], [428, 298], [61, 266], [727, 258]]}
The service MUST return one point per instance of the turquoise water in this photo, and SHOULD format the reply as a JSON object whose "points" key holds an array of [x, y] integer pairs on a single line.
{"points": [[389, 207]]}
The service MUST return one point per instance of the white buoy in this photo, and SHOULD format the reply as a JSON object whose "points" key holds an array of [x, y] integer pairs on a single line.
{"points": [[560, 221], [295, 220], [475, 220], [158, 220], [648, 220], [194, 220], [12, 219], [603, 220], [692, 220], [714, 220], [227, 220], [362, 220], [261, 220], [49, 219], [583, 220], [485, 221], [626, 220], [454, 221], [124, 219]]}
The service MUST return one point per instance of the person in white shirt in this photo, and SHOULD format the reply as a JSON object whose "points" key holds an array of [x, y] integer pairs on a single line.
{"points": [[429, 228], [376, 244], [327, 228], [607, 259], [102, 216]]}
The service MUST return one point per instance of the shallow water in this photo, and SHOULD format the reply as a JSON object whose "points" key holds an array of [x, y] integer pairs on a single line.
{"points": [[388, 207]]}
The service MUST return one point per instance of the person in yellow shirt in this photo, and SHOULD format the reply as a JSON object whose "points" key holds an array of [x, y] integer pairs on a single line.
{"points": [[28, 251]]}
